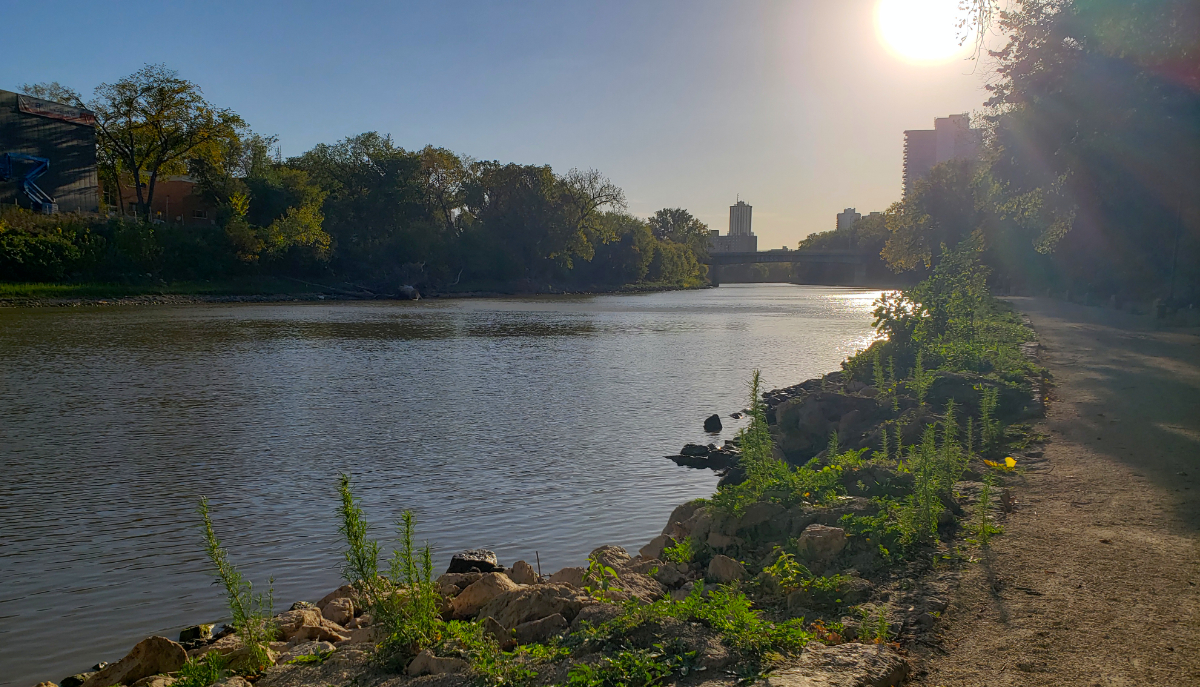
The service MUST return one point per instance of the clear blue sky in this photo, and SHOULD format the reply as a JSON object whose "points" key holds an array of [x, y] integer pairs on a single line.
{"points": [[797, 106]]}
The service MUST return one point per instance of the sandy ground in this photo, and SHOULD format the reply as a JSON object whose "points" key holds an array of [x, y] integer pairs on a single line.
{"points": [[1095, 579]]}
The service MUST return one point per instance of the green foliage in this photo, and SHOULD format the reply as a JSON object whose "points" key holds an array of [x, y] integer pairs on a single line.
{"points": [[252, 613], [634, 667], [493, 667], [682, 551], [989, 426], [312, 659], [405, 601], [984, 529], [787, 573], [201, 671], [599, 579]]}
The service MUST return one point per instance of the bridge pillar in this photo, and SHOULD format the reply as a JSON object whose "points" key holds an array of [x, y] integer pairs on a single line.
{"points": [[714, 274], [860, 274]]}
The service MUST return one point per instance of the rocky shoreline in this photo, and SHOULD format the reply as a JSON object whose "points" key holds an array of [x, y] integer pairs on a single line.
{"points": [[331, 641]]}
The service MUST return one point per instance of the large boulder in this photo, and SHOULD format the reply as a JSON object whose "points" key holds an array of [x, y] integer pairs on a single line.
{"points": [[477, 595], [450, 584], [523, 573], [534, 603], [724, 569], [537, 631], [475, 560], [821, 543], [304, 649], [655, 548], [427, 664], [712, 423], [339, 611], [803, 424], [614, 557], [844, 665], [150, 656], [308, 624], [570, 576], [682, 513], [345, 591]]}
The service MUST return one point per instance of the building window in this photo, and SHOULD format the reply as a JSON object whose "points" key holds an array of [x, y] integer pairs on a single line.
{"points": [[200, 214]]}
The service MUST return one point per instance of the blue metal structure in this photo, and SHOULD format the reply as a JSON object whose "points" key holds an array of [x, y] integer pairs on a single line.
{"points": [[40, 199]]}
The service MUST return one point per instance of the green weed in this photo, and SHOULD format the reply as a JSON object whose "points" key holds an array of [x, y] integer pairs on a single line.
{"points": [[201, 671], [682, 551], [252, 613]]}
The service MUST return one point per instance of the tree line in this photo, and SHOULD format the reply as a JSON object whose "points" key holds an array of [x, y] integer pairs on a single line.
{"points": [[1088, 180], [362, 210]]}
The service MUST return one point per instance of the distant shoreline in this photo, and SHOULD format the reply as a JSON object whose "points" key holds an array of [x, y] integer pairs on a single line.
{"points": [[120, 295]]}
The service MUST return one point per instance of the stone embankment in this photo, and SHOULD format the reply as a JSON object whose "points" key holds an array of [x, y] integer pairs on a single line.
{"points": [[517, 606]]}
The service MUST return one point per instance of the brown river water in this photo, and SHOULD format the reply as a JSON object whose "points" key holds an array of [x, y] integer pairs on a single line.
{"points": [[520, 425]]}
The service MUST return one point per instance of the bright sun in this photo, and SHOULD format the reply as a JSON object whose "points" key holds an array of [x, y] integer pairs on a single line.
{"points": [[923, 31]]}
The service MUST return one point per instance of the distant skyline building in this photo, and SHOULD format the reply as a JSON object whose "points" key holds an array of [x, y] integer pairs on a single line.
{"points": [[740, 238], [846, 219], [951, 138]]}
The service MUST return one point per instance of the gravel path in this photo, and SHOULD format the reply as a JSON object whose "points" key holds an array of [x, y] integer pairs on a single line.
{"points": [[1096, 579]]}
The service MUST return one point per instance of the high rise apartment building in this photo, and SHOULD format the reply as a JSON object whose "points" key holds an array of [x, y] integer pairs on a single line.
{"points": [[951, 138], [740, 238], [847, 218]]}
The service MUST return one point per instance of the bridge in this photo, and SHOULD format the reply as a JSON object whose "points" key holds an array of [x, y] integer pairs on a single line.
{"points": [[855, 259]]}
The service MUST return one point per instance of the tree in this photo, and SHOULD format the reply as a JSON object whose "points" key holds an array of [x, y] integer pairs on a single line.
{"points": [[54, 92], [151, 122], [940, 210]]}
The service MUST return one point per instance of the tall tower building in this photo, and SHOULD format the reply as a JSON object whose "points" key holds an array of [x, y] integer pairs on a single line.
{"points": [[739, 239], [739, 219], [847, 218], [951, 138]]}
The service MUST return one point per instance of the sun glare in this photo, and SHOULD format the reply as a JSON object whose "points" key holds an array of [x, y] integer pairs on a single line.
{"points": [[922, 31]]}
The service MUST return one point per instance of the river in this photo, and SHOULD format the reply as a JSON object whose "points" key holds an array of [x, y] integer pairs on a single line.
{"points": [[520, 425]]}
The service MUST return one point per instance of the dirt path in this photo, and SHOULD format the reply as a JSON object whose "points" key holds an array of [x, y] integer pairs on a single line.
{"points": [[1096, 580]]}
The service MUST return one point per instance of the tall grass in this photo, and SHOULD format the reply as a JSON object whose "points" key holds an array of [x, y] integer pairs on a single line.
{"points": [[252, 613]]}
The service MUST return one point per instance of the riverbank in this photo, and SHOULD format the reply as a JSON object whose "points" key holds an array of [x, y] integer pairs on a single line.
{"points": [[274, 291]]}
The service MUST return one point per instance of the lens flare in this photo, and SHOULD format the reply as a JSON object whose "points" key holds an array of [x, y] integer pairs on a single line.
{"points": [[923, 31]]}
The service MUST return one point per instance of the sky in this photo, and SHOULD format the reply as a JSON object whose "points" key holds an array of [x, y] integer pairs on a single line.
{"points": [[798, 107]]}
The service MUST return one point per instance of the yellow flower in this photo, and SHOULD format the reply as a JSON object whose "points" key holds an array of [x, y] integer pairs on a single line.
{"points": [[1010, 462], [991, 463]]}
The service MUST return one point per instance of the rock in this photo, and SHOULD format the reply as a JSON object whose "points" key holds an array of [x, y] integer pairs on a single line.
{"points": [[304, 649], [235, 681], [427, 664], [363, 635], [844, 665], [246, 660], [150, 656], [721, 541], [724, 569], [821, 543], [340, 611], [478, 594], [655, 548], [680, 515], [195, 632], [155, 681], [534, 603], [408, 292], [45, 683], [474, 560], [594, 615], [222, 646], [75, 680], [345, 591], [694, 450], [502, 636], [668, 575], [571, 576], [361, 621], [309, 624], [803, 424], [523, 573], [450, 584], [759, 513], [712, 424], [537, 631], [302, 604], [614, 557], [639, 585]]}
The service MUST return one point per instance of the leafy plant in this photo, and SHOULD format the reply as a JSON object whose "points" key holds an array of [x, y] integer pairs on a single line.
{"points": [[682, 551], [252, 613], [316, 658], [634, 667], [599, 579], [201, 671]]}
